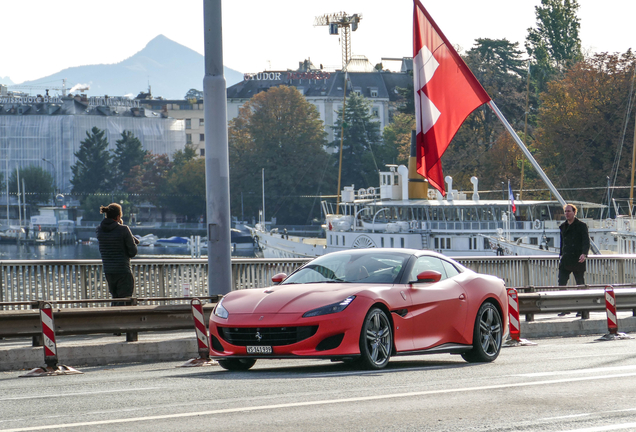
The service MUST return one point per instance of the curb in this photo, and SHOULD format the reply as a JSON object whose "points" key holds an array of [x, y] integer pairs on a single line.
{"points": [[101, 354], [576, 327]]}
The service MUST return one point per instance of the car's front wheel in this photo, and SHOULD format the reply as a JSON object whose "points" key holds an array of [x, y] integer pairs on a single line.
{"points": [[376, 340], [237, 364], [487, 335]]}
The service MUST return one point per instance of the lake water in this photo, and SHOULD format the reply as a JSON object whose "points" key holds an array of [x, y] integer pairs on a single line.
{"points": [[86, 251]]}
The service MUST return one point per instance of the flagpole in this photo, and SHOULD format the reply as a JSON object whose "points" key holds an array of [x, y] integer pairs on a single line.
{"points": [[526, 152], [534, 163]]}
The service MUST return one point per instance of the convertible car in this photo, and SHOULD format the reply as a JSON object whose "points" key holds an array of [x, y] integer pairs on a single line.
{"points": [[362, 306]]}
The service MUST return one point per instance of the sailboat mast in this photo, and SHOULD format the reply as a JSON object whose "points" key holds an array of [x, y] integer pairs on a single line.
{"points": [[525, 130], [631, 189], [344, 104]]}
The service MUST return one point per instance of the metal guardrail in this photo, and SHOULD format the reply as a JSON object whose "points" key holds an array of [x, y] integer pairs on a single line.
{"points": [[116, 319], [134, 319]]}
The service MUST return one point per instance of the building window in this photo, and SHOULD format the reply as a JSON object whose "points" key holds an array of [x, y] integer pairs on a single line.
{"points": [[402, 241], [375, 111], [374, 93], [188, 138], [382, 242], [201, 122], [188, 123], [201, 137], [201, 152], [343, 240], [392, 242]]}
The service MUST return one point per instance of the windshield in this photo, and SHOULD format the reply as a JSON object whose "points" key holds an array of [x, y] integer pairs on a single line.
{"points": [[377, 267]]}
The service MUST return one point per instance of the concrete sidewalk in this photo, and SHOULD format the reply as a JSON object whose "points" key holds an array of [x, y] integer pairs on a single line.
{"points": [[99, 350]]}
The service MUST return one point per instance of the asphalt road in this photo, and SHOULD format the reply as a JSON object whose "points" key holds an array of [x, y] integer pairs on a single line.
{"points": [[569, 384]]}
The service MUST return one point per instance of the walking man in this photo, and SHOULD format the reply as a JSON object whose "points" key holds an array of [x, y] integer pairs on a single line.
{"points": [[575, 245], [117, 246]]}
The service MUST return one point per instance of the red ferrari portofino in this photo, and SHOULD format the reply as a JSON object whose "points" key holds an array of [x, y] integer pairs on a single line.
{"points": [[363, 306]]}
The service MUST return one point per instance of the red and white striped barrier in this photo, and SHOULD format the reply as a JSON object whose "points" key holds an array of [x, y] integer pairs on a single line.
{"points": [[513, 314], [514, 323], [202, 337], [50, 348], [610, 306], [612, 317]]}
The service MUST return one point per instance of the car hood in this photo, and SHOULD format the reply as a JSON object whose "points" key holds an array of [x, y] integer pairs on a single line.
{"points": [[288, 298]]}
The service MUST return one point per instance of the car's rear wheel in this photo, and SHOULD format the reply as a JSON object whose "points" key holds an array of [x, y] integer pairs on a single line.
{"points": [[376, 340], [487, 335], [236, 364]]}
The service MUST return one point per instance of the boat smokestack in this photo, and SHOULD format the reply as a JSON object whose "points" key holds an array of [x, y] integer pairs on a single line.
{"points": [[418, 185]]}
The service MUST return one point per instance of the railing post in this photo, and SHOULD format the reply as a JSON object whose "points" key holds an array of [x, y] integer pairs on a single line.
{"points": [[84, 285], [620, 271], [526, 272], [530, 316]]}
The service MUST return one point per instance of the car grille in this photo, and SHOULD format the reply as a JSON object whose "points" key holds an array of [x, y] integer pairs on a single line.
{"points": [[272, 336]]}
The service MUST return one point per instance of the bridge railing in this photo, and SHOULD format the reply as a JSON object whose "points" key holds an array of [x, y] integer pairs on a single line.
{"points": [[67, 280]]}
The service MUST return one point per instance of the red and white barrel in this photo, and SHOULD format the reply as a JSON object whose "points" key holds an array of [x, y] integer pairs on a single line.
{"points": [[201, 329], [610, 306], [48, 333], [513, 314]]}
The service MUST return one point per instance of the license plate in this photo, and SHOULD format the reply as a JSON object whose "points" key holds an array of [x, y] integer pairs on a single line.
{"points": [[259, 349]]}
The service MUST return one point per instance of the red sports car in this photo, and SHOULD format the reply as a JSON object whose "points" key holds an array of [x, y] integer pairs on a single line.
{"points": [[363, 306]]}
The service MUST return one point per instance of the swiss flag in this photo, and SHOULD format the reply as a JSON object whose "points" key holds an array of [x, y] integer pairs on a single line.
{"points": [[446, 92]]}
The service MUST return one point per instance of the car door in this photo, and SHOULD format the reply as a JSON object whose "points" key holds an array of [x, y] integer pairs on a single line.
{"points": [[438, 310]]}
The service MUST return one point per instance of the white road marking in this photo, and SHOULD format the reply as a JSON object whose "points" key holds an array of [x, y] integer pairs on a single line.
{"points": [[577, 371], [332, 402], [613, 427], [53, 396]]}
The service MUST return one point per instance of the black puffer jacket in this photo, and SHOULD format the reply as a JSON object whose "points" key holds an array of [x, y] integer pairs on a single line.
{"points": [[116, 245], [575, 241]]}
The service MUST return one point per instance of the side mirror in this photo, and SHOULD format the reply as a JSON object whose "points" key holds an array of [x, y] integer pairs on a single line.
{"points": [[279, 277], [429, 276]]}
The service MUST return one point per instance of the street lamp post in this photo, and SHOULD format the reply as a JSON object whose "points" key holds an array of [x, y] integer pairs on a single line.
{"points": [[54, 178]]}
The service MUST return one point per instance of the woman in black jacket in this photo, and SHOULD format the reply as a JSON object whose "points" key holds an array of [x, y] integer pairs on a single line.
{"points": [[117, 246]]}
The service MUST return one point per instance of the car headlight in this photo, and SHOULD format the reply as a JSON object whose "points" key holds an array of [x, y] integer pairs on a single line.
{"points": [[220, 311], [330, 309]]}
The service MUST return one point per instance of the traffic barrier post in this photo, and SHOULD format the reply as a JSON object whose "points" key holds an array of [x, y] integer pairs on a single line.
{"points": [[50, 348], [514, 323], [202, 337], [612, 317]]}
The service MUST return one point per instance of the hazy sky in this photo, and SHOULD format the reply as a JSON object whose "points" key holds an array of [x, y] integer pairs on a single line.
{"points": [[42, 37]]}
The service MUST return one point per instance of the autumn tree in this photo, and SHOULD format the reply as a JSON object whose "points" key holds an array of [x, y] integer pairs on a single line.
{"points": [[280, 132], [584, 129], [186, 189], [148, 181]]}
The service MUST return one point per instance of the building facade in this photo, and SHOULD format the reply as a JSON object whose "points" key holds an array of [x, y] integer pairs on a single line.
{"points": [[47, 131]]}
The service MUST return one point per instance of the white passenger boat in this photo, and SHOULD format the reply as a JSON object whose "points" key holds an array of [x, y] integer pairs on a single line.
{"points": [[457, 225]]}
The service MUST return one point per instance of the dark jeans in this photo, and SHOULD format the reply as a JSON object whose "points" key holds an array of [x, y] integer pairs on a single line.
{"points": [[564, 276], [120, 285]]}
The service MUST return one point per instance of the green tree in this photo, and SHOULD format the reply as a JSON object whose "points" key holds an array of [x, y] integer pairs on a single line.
{"points": [[363, 154], [92, 203], [194, 94], [186, 188], [281, 132], [554, 44], [397, 135], [92, 171], [127, 154], [38, 183], [181, 157]]}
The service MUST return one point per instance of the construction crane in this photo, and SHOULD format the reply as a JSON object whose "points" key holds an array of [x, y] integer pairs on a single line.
{"points": [[343, 24], [63, 89]]}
